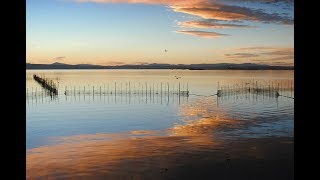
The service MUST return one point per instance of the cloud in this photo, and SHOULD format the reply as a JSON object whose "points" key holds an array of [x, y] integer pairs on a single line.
{"points": [[266, 1], [211, 9], [231, 12], [284, 52], [165, 2], [288, 57], [255, 48], [268, 50], [203, 34], [209, 24], [119, 63], [113, 63], [59, 58], [266, 54], [241, 55]]}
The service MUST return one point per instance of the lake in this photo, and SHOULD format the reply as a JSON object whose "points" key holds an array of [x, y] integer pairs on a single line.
{"points": [[134, 124]]}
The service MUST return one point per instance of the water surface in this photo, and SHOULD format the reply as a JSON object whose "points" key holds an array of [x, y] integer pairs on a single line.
{"points": [[155, 135]]}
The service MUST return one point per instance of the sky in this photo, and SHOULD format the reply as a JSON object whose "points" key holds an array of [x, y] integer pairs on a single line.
{"points": [[117, 32]]}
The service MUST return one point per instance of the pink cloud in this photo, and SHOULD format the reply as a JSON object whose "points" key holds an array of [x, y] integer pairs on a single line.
{"points": [[203, 34]]}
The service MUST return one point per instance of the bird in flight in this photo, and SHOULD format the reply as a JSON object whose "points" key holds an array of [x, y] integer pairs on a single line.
{"points": [[165, 50], [177, 77]]}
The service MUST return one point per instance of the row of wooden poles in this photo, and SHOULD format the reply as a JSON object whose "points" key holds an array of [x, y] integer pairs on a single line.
{"points": [[48, 85], [128, 88], [112, 99], [273, 89]]}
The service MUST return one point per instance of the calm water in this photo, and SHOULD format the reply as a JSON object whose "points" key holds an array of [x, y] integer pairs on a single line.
{"points": [[140, 135]]}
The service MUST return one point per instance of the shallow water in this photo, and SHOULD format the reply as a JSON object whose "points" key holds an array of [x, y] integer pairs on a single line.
{"points": [[139, 135]]}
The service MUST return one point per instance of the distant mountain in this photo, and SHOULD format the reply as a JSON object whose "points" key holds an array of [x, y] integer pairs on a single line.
{"points": [[220, 66], [57, 65]]}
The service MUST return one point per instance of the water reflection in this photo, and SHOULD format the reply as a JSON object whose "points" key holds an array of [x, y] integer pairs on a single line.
{"points": [[158, 154], [159, 137]]}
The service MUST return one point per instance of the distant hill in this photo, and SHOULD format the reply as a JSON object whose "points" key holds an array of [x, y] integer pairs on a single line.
{"points": [[220, 66]]}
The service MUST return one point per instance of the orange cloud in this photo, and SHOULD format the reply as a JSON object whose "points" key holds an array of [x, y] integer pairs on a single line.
{"points": [[165, 2], [209, 24], [208, 9], [203, 34], [211, 12]]}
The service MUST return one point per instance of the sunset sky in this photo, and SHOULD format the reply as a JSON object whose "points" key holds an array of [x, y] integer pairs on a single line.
{"points": [[116, 32]]}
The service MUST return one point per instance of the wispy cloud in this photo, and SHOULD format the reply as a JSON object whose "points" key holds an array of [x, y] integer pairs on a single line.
{"points": [[266, 1], [226, 12], [267, 55], [113, 63], [241, 55], [211, 9], [255, 48], [59, 58], [119, 63], [282, 52], [165, 2], [278, 58], [203, 34], [210, 24]]}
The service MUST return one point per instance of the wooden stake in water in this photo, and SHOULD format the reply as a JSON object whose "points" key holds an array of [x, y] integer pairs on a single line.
{"points": [[187, 89], [288, 87], [291, 89], [142, 88], [134, 88], [139, 88]]}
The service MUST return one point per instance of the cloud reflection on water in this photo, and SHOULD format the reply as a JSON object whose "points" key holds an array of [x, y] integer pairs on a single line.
{"points": [[140, 154]]}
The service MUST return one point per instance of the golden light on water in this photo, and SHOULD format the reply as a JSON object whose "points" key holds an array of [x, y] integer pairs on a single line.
{"points": [[111, 155]]}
